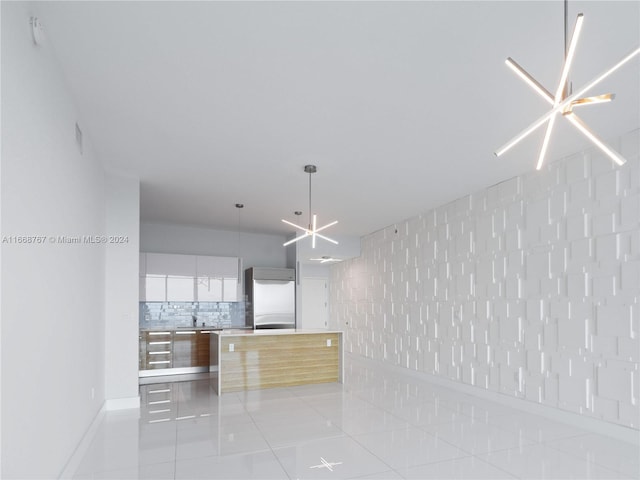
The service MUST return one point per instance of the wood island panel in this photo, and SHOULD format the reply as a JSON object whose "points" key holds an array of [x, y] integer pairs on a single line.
{"points": [[266, 361]]}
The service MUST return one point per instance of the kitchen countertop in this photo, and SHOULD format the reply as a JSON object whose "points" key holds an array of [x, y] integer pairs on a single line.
{"points": [[181, 329], [272, 331]]}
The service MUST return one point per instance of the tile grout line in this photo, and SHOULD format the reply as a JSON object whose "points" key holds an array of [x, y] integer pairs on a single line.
{"points": [[244, 405]]}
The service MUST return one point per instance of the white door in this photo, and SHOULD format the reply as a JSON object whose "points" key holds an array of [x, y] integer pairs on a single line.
{"points": [[315, 311]]}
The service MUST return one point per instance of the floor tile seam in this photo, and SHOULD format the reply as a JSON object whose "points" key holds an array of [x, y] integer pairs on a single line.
{"points": [[569, 454], [364, 399], [545, 442], [498, 450], [266, 441], [414, 423], [585, 458], [507, 430], [446, 441], [308, 440], [274, 448], [227, 455], [289, 421], [279, 462], [466, 455], [375, 431], [253, 421], [313, 407], [366, 475], [619, 474], [397, 417], [470, 456], [368, 432], [353, 438], [479, 457], [438, 437], [457, 412], [175, 451], [107, 470]]}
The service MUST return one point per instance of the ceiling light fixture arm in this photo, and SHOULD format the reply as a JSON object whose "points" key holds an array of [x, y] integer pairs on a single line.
{"points": [[565, 103], [312, 229], [566, 43], [564, 99]]}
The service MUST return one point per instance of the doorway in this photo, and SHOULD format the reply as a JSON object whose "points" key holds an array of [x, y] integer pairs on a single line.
{"points": [[314, 298]]}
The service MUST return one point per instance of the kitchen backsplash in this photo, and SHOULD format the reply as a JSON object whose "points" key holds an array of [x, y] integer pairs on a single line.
{"points": [[180, 314]]}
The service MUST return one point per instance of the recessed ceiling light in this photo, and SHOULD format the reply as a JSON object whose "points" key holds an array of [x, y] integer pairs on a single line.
{"points": [[325, 259]]}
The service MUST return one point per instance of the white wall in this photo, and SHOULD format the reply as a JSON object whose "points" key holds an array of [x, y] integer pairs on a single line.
{"points": [[530, 289], [347, 247], [121, 296], [52, 294], [300, 255], [257, 250]]}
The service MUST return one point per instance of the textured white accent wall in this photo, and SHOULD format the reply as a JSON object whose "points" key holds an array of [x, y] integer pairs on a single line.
{"points": [[530, 288]]}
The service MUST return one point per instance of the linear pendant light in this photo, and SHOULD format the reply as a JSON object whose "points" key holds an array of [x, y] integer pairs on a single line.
{"points": [[312, 230], [563, 103]]}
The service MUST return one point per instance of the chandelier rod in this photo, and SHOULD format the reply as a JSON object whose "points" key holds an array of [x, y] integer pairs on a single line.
{"points": [[310, 199], [566, 26]]}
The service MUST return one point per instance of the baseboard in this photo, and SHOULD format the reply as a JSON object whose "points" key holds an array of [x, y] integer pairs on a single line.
{"points": [[594, 425], [81, 449], [122, 403], [109, 405]]}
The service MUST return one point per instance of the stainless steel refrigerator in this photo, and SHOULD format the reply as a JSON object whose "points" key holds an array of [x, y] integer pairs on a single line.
{"points": [[271, 297]]}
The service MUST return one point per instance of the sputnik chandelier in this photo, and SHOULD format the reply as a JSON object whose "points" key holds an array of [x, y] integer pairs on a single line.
{"points": [[312, 230], [563, 101]]}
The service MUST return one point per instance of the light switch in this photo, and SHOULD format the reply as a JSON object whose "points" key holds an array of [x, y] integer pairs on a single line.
{"points": [[232, 347], [328, 342]]}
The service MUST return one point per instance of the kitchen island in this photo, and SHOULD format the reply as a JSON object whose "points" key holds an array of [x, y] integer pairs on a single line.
{"points": [[255, 359]]}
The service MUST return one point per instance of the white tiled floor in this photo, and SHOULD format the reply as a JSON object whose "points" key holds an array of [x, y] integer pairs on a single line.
{"points": [[374, 426]]}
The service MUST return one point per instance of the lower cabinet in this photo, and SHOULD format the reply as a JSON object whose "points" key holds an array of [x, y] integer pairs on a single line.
{"points": [[158, 350], [173, 349], [184, 348], [203, 345]]}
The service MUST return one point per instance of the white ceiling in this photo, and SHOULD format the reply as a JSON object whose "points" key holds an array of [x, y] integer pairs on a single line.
{"points": [[399, 104]]}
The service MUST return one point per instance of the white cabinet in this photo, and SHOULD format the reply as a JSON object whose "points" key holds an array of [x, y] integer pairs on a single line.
{"points": [[180, 288], [230, 288], [209, 289], [217, 279], [171, 264], [155, 287], [188, 278], [226, 267]]}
